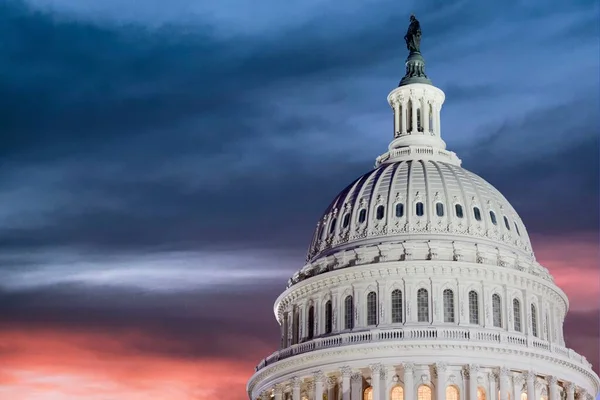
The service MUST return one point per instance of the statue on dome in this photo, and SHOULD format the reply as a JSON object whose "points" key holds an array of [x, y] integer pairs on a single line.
{"points": [[413, 35]]}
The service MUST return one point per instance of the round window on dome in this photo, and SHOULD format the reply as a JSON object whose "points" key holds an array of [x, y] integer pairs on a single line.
{"points": [[459, 210], [419, 209], [493, 218], [346, 220], [362, 216], [380, 212], [477, 213], [439, 209]]}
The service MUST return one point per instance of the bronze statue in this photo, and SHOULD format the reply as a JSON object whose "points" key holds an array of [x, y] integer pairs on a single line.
{"points": [[413, 36]]}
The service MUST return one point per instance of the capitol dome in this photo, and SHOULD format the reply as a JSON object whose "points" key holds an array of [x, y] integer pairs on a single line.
{"points": [[421, 284]]}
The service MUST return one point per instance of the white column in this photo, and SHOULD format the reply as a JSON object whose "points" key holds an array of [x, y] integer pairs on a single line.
{"points": [[503, 378], [440, 387], [530, 376], [473, 370], [493, 394], [296, 388], [278, 392], [517, 386], [397, 126], [403, 117], [570, 388], [409, 385], [356, 384], [376, 380], [438, 110], [414, 125], [552, 387], [425, 116], [319, 378], [346, 374]]}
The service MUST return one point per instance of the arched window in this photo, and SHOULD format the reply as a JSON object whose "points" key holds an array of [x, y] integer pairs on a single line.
{"points": [[368, 393], [397, 393], [506, 223], [380, 212], [451, 393], [346, 220], [295, 326], [439, 209], [332, 226], [372, 308], [348, 312], [422, 305], [517, 314], [328, 317], [362, 216], [493, 218], [424, 393], [459, 210], [517, 229], [534, 320], [419, 209], [497, 310], [285, 328], [477, 213], [419, 120], [399, 210], [396, 306], [409, 121], [311, 322], [473, 307], [480, 393], [448, 305]]}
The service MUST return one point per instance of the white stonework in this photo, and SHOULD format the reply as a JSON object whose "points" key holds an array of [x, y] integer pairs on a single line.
{"points": [[420, 282]]}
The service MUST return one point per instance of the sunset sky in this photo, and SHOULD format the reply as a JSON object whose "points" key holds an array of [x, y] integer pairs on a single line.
{"points": [[163, 164]]}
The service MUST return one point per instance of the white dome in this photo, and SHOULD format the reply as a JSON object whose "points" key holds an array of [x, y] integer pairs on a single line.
{"points": [[384, 206]]}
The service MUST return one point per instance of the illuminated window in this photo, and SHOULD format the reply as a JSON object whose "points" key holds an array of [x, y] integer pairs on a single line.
{"points": [[372, 308], [517, 313], [396, 306], [422, 305], [473, 307], [523, 396], [368, 394], [448, 296], [328, 317], [348, 313], [451, 393], [424, 393], [397, 393], [496, 310], [480, 393]]}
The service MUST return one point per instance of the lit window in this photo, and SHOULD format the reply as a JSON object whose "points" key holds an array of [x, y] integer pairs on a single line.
{"points": [[523, 396], [477, 213], [362, 216], [448, 305], [311, 322], [451, 393], [459, 210], [399, 210], [397, 393], [473, 308], [332, 226], [368, 394], [328, 317], [517, 313], [348, 313], [493, 218], [422, 305], [424, 393], [396, 306], [534, 321], [380, 212], [480, 393], [506, 223], [346, 220], [496, 310], [419, 209], [439, 209], [372, 308]]}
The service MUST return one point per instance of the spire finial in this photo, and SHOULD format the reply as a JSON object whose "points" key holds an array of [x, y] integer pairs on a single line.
{"points": [[415, 64]]}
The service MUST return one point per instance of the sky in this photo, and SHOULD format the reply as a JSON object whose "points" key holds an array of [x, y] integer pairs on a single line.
{"points": [[163, 165]]}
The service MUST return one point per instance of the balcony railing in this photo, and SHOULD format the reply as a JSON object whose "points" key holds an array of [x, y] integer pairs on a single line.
{"points": [[430, 333]]}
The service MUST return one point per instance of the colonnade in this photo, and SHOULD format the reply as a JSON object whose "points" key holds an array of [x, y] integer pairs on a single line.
{"points": [[438, 381]]}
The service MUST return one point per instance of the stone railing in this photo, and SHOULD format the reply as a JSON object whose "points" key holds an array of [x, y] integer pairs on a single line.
{"points": [[425, 333]]}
